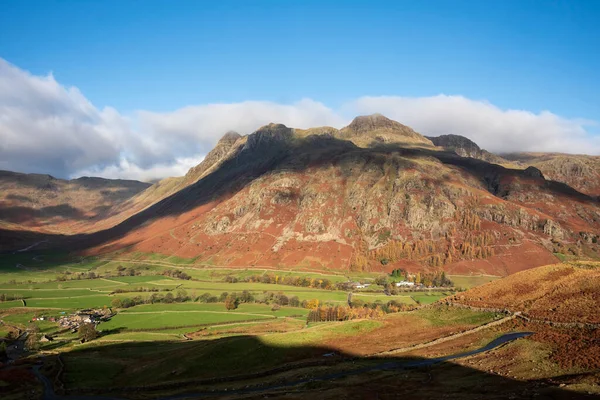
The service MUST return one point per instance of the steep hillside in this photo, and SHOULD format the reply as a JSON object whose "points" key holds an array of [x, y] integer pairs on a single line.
{"points": [[310, 199], [581, 172], [559, 293], [34, 201], [465, 147], [169, 186]]}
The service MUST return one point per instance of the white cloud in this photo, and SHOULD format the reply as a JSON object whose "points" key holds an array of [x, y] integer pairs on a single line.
{"points": [[198, 128], [49, 128], [128, 170], [487, 125]]}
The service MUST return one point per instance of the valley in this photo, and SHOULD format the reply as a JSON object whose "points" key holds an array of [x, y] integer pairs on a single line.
{"points": [[306, 262], [163, 323]]}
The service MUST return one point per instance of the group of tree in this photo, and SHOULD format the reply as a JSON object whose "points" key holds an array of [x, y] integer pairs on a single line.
{"points": [[357, 310], [131, 271], [10, 297], [428, 279], [302, 281], [176, 273], [140, 289], [434, 253], [234, 299], [179, 296]]}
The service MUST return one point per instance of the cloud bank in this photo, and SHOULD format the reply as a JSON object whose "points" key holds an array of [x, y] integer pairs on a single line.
{"points": [[46, 127]]}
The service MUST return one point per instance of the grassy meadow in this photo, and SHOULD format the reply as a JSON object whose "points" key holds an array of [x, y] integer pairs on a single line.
{"points": [[194, 325]]}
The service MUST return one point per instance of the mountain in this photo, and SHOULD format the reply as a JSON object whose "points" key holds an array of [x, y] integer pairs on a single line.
{"points": [[372, 196], [36, 201], [581, 172], [465, 147]]}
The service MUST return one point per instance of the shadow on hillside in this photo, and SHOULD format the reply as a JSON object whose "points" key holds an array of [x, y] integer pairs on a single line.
{"points": [[278, 155], [246, 367], [22, 214]]}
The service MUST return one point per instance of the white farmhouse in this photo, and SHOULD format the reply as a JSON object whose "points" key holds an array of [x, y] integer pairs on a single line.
{"points": [[405, 284]]}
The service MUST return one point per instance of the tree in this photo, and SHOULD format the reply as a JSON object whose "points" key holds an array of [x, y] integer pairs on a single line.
{"points": [[88, 332], [381, 280], [231, 303], [294, 301], [32, 342], [116, 303], [2, 349], [312, 304]]}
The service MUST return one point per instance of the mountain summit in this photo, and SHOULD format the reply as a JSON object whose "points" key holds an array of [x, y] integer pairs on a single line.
{"points": [[381, 129]]}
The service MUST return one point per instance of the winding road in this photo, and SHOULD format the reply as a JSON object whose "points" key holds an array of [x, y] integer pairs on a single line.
{"points": [[49, 393]]}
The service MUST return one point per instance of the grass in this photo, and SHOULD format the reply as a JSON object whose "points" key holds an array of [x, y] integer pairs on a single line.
{"points": [[48, 293], [165, 319], [10, 304], [216, 307], [442, 316], [93, 371], [372, 298], [428, 298], [188, 360], [143, 279], [23, 321], [69, 303], [469, 281]]}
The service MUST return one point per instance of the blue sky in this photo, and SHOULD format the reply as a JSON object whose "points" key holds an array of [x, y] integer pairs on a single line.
{"points": [[153, 84], [162, 55]]}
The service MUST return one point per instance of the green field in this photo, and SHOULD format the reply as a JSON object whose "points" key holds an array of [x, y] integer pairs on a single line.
{"points": [[217, 307], [469, 281], [181, 339], [166, 319]]}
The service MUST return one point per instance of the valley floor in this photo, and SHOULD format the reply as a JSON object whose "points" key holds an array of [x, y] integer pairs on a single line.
{"points": [[190, 348]]}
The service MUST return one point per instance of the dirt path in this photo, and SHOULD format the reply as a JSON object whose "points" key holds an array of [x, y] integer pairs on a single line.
{"points": [[30, 247], [445, 338]]}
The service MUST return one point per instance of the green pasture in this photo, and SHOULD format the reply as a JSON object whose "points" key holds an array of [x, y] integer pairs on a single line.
{"points": [[469, 281]]}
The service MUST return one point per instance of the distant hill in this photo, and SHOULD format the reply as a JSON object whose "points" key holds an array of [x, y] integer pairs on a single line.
{"points": [[43, 202], [465, 147], [581, 172]]}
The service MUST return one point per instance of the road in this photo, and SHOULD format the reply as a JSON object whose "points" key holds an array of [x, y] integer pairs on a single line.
{"points": [[49, 393]]}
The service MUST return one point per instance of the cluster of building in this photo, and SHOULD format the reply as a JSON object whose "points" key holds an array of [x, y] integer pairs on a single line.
{"points": [[74, 321], [405, 284]]}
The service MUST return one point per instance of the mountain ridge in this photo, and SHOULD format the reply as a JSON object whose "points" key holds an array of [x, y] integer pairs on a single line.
{"points": [[292, 198]]}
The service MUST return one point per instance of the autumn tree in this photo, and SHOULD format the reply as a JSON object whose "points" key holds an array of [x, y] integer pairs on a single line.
{"points": [[33, 337], [87, 332], [116, 303], [312, 304], [231, 302]]}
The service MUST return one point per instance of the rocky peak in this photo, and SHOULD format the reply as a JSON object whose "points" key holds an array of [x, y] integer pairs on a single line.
{"points": [[268, 135], [533, 172], [214, 157], [465, 147], [461, 145], [230, 137], [381, 129], [368, 123]]}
